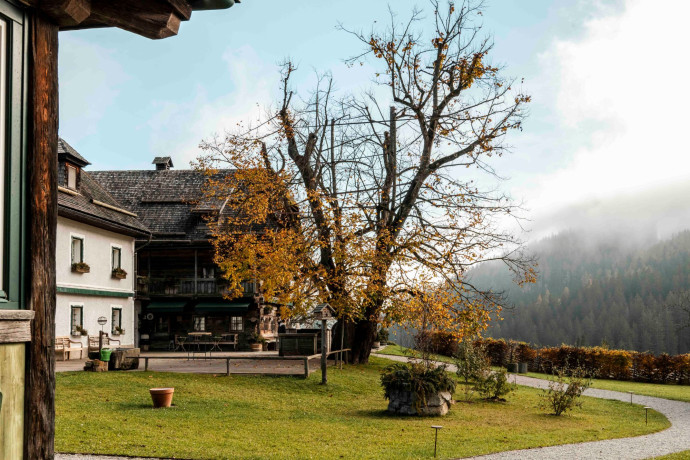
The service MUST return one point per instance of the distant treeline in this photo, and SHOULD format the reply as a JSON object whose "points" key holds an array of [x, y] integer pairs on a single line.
{"points": [[613, 291]]}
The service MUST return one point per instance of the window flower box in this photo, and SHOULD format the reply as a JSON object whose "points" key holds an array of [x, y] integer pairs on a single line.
{"points": [[118, 331], [119, 273], [81, 267]]}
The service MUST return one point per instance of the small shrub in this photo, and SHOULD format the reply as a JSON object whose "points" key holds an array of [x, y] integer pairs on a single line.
{"points": [[564, 390], [421, 380], [495, 385], [471, 361], [382, 335]]}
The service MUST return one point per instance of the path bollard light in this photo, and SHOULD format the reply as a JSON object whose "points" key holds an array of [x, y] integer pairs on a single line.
{"points": [[631, 393], [646, 416], [436, 427]]}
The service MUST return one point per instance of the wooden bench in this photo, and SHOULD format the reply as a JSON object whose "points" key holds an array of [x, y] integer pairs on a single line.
{"points": [[66, 345], [93, 342], [229, 339]]}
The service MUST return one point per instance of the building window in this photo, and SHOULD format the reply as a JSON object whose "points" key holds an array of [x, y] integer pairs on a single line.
{"points": [[77, 249], [72, 177], [236, 323], [117, 320], [199, 324], [76, 319], [116, 257]]}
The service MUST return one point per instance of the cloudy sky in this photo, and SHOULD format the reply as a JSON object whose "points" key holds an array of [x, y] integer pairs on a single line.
{"points": [[604, 143]]}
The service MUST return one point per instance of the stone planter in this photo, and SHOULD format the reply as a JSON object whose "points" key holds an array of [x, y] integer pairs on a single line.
{"points": [[119, 276], [512, 368], [161, 397], [255, 346], [522, 368], [404, 403], [376, 345]]}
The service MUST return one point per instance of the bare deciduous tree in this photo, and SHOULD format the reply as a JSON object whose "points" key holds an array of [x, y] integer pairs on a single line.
{"points": [[372, 200]]}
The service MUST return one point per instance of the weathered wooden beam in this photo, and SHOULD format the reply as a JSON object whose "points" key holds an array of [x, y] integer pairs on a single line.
{"points": [[154, 19], [42, 224], [65, 13], [182, 9], [15, 326]]}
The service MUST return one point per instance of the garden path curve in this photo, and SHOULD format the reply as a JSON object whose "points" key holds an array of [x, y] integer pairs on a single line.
{"points": [[671, 440]]}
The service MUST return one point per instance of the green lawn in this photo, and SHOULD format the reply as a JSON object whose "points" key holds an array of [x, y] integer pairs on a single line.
{"points": [[283, 417], [679, 456], [397, 350], [659, 390]]}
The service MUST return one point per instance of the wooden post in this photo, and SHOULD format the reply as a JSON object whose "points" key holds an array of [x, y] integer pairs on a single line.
{"points": [[227, 367], [324, 353], [42, 224], [306, 367], [146, 364]]}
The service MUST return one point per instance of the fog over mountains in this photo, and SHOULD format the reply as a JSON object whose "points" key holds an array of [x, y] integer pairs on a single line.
{"points": [[607, 272]]}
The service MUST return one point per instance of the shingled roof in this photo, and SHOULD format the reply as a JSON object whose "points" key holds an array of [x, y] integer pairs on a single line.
{"points": [[164, 200], [92, 204]]}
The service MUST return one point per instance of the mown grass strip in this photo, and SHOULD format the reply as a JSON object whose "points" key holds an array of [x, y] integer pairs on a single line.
{"points": [[257, 417]]}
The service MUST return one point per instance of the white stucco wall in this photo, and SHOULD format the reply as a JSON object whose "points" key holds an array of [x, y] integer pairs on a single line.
{"points": [[97, 253], [92, 308]]}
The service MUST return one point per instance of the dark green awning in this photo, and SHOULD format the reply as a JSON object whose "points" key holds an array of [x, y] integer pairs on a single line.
{"points": [[222, 308], [166, 307]]}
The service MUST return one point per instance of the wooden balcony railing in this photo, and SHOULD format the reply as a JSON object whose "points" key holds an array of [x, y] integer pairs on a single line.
{"points": [[187, 287]]}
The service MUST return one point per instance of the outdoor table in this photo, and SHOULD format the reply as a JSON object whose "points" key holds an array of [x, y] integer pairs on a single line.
{"points": [[215, 341], [199, 339]]}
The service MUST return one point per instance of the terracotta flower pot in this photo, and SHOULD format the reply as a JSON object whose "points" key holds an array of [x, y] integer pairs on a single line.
{"points": [[255, 346], [162, 397]]}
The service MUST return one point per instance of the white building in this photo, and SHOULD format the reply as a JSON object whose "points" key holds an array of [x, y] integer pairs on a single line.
{"points": [[95, 256]]}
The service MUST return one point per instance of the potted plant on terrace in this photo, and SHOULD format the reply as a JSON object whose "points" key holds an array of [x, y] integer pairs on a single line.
{"points": [[255, 342], [81, 267], [119, 273]]}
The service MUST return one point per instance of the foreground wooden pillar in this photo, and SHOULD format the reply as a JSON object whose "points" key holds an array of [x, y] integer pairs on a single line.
{"points": [[42, 225]]}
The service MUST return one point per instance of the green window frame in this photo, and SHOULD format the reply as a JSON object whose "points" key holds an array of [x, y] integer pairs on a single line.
{"points": [[81, 249], [115, 257], [13, 203], [115, 319], [74, 311]]}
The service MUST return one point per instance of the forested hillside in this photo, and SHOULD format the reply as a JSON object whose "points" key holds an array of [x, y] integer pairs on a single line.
{"points": [[595, 290]]}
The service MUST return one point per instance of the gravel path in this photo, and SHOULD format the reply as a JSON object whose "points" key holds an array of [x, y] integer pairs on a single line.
{"points": [[671, 440]]}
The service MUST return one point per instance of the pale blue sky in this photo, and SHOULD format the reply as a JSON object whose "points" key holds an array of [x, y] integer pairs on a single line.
{"points": [[125, 99]]}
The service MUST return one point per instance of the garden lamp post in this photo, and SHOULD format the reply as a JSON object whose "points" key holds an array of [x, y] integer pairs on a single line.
{"points": [[102, 320], [436, 427]]}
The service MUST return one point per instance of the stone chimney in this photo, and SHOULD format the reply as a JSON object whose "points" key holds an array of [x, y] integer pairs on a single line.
{"points": [[163, 163]]}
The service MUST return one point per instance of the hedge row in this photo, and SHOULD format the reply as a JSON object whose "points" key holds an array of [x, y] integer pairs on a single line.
{"points": [[596, 361]]}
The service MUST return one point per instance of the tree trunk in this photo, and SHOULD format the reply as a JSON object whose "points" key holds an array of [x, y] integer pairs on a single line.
{"points": [[42, 200], [361, 334]]}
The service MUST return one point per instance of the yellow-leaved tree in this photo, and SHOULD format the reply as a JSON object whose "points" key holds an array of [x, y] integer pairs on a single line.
{"points": [[376, 211]]}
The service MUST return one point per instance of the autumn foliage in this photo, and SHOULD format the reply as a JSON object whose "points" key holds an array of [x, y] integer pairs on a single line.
{"points": [[374, 211], [594, 361]]}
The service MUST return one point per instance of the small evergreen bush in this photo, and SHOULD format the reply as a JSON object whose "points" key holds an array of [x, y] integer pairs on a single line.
{"points": [[422, 380], [495, 385]]}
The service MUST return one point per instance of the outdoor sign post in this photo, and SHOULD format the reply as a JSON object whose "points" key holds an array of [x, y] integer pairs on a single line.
{"points": [[101, 320], [324, 312]]}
